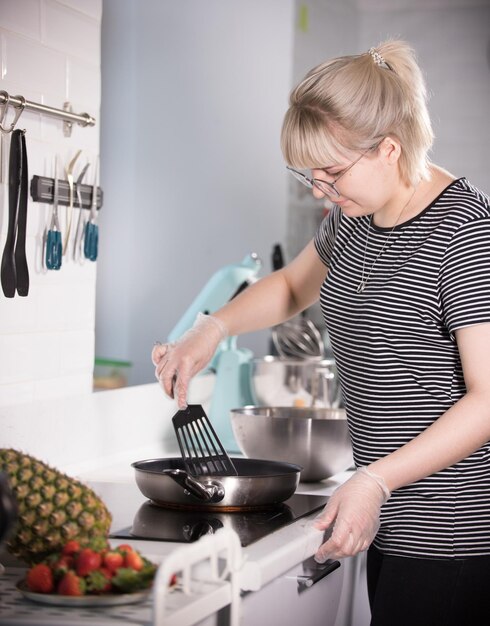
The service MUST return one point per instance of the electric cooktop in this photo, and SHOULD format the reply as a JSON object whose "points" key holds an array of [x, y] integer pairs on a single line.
{"points": [[154, 523]]}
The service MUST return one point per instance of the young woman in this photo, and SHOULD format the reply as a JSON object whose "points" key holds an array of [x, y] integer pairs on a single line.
{"points": [[402, 268]]}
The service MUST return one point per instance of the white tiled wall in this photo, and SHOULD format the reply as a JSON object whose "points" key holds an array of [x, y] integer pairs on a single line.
{"points": [[49, 53]]}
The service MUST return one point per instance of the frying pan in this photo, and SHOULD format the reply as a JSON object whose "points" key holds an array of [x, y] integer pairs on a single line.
{"points": [[258, 484]]}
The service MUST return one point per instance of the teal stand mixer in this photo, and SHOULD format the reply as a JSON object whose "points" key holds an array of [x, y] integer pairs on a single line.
{"points": [[232, 364]]}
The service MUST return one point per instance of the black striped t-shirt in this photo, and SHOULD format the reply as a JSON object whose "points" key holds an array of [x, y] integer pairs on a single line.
{"points": [[398, 360]]}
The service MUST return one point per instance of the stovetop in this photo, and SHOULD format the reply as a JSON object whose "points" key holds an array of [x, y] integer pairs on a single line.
{"points": [[154, 523]]}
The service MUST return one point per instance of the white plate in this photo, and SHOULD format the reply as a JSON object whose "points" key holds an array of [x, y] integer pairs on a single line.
{"points": [[113, 599]]}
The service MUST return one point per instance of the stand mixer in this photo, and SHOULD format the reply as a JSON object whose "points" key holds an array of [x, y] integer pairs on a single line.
{"points": [[232, 387]]}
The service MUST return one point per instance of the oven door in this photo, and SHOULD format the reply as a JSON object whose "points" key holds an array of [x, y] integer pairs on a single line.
{"points": [[308, 594]]}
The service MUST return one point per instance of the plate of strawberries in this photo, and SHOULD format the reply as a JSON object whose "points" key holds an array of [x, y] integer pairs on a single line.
{"points": [[90, 575]]}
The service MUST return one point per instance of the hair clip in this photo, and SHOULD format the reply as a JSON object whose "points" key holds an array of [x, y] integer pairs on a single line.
{"points": [[377, 58]]}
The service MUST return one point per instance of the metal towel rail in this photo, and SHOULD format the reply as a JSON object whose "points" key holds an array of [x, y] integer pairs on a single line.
{"points": [[65, 114]]}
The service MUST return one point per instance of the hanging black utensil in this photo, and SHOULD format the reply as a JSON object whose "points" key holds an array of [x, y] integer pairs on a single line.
{"points": [[277, 261], [21, 268], [8, 270]]}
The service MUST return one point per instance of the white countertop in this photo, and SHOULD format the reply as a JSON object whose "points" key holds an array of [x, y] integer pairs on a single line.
{"points": [[261, 562], [95, 438]]}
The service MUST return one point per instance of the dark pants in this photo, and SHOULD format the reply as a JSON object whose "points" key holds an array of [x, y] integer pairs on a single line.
{"points": [[428, 592]]}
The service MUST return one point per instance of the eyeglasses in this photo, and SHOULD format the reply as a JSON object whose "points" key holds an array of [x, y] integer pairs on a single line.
{"points": [[324, 186]]}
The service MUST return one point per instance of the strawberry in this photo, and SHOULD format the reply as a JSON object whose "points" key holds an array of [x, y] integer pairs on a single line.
{"points": [[71, 547], [62, 565], [107, 572], [40, 579], [99, 581], [133, 560], [87, 561], [124, 548], [113, 560], [71, 585]]}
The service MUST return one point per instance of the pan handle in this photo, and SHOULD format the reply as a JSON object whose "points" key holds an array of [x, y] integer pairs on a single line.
{"points": [[210, 491]]}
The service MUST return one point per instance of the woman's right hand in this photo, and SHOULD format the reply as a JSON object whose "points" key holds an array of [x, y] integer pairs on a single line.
{"points": [[176, 363]]}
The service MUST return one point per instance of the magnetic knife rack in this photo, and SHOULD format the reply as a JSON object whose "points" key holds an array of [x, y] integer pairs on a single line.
{"points": [[42, 190]]}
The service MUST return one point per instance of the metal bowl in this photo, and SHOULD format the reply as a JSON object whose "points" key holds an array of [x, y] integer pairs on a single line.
{"points": [[295, 382], [315, 438]]}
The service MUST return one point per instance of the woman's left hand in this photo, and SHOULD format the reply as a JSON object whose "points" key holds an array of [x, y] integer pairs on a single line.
{"points": [[353, 510]]}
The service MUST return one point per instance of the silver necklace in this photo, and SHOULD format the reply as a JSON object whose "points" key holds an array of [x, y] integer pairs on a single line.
{"points": [[362, 285]]}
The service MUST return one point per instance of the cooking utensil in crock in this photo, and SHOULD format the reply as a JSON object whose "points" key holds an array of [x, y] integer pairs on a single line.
{"points": [[277, 257], [277, 262], [54, 246], [298, 338], [316, 438], [258, 484], [200, 446]]}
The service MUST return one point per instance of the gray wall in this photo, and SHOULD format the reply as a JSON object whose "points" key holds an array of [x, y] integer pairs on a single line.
{"points": [[452, 41], [333, 28], [193, 98], [192, 103]]}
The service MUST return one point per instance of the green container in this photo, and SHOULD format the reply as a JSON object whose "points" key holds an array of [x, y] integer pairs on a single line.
{"points": [[110, 374]]}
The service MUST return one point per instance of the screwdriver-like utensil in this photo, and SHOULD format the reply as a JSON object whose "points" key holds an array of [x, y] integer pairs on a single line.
{"points": [[69, 209], [91, 241], [54, 248], [77, 244]]}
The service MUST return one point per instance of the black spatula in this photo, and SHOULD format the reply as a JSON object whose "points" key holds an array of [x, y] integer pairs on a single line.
{"points": [[201, 449]]}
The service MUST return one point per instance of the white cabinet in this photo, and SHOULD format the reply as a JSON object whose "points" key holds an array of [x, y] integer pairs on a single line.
{"points": [[354, 604], [287, 602]]}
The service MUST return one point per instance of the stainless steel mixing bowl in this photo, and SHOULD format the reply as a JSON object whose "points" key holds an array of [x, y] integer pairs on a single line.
{"points": [[315, 438], [295, 382]]}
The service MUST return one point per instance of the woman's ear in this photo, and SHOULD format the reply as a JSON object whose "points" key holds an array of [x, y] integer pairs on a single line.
{"points": [[390, 150]]}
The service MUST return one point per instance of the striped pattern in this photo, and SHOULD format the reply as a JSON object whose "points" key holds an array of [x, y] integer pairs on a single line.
{"points": [[398, 361]]}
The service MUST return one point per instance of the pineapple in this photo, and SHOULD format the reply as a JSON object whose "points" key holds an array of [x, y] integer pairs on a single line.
{"points": [[52, 508]]}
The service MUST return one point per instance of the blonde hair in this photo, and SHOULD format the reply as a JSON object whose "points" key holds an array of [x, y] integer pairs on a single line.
{"points": [[353, 102]]}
